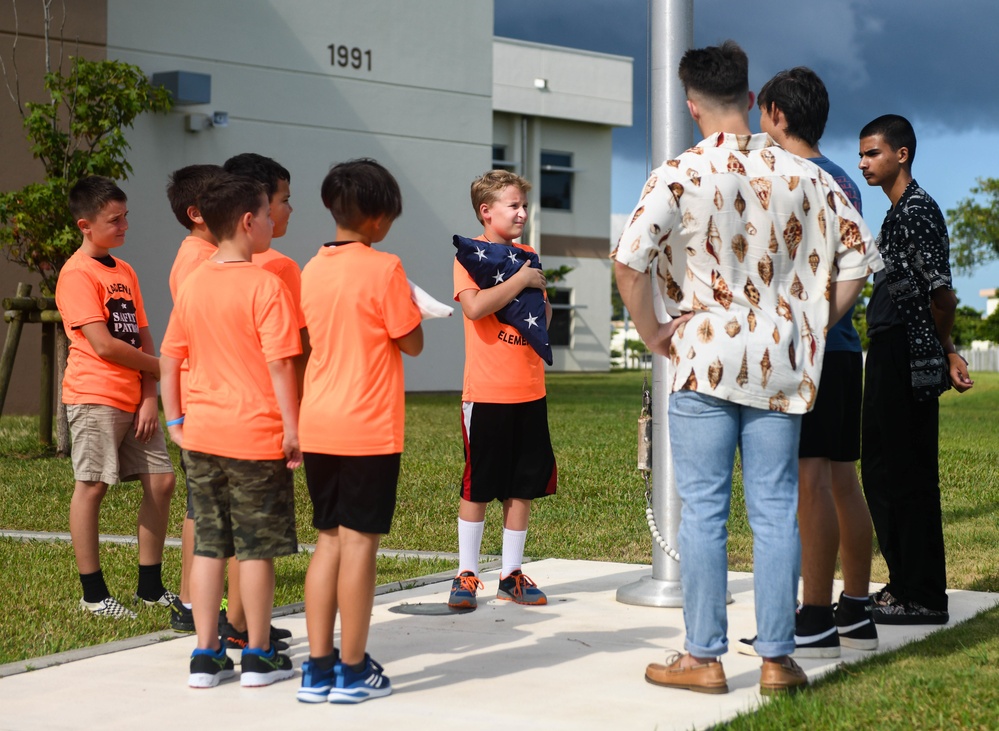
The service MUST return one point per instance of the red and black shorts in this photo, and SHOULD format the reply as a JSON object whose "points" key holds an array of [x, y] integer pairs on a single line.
{"points": [[508, 451]]}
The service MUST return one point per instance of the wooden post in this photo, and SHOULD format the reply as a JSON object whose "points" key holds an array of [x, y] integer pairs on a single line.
{"points": [[17, 318], [45, 396]]}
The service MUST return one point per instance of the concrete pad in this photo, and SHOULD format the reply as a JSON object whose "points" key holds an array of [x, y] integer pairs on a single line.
{"points": [[577, 663]]}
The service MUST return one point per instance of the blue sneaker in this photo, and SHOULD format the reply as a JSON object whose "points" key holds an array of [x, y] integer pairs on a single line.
{"points": [[518, 588], [257, 668], [352, 687], [316, 683], [209, 668], [463, 590]]}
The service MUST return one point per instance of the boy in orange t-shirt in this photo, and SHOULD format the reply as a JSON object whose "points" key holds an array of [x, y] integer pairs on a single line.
{"points": [[361, 318], [508, 451], [110, 394], [235, 323], [183, 189]]}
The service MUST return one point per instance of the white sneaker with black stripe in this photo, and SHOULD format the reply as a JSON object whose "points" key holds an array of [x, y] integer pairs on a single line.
{"points": [[109, 607]]}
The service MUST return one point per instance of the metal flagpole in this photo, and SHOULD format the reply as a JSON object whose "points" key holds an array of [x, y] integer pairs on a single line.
{"points": [[671, 34]]}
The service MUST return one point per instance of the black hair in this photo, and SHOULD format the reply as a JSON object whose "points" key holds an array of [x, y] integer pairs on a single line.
{"points": [[185, 185], [89, 196], [226, 199], [260, 168], [895, 130], [800, 94], [361, 189], [719, 72]]}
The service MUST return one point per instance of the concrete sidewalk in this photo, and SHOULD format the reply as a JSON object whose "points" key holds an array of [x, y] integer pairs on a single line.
{"points": [[577, 663]]}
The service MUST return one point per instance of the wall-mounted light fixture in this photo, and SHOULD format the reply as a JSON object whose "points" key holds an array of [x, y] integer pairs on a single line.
{"points": [[541, 84], [196, 122]]}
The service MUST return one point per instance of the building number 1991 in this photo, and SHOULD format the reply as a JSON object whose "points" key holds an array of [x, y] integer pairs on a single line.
{"points": [[344, 56]]}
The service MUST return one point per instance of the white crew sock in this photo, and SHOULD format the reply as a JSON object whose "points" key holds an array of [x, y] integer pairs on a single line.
{"points": [[469, 545], [513, 550]]}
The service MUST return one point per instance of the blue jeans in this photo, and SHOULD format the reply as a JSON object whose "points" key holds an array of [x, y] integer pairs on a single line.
{"points": [[704, 433]]}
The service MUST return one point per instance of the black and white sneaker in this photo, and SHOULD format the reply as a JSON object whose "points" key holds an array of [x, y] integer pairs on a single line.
{"points": [[883, 597], [855, 623], [815, 632], [259, 668], [909, 613], [167, 598], [209, 668], [109, 607]]}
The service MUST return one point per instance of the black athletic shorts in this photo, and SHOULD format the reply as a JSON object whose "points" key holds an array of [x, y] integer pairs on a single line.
{"points": [[832, 428], [508, 451], [355, 492]]}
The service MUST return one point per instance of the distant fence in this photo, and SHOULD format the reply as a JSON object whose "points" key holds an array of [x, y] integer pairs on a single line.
{"points": [[982, 360]]}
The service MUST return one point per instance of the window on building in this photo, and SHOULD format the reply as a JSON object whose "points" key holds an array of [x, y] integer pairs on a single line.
{"points": [[499, 159], [556, 180], [560, 329]]}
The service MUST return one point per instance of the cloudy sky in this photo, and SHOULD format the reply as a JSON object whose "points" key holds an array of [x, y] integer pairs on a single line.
{"points": [[932, 62]]}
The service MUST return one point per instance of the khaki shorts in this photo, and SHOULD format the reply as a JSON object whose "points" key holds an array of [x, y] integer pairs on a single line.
{"points": [[105, 448], [243, 508]]}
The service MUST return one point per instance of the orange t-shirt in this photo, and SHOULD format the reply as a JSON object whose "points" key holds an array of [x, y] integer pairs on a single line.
{"points": [[500, 366], [356, 302], [193, 250], [288, 272], [90, 291], [230, 320]]}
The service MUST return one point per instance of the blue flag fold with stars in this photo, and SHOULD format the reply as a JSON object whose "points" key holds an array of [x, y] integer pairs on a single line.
{"points": [[489, 264]]}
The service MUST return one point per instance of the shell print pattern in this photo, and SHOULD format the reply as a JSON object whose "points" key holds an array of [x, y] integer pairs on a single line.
{"points": [[849, 234], [773, 246], [807, 390], [743, 377], [752, 293], [691, 354], [783, 307], [719, 199], [722, 293], [638, 212], [751, 321], [635, 244], [831, 201], [793, 182], [696, 305], [691, 383], [714, 243], [654, 229], [791, 357], [688, 220], [695, 177], [766, 269], [734, 165], [750, 228], [779, 402], [808, 338], [733, 328], [674, 163], [715, 371], [813, 261], [762, 187], [705, 332], [739, 247], [677, 190], [649, 185], [668, 250], [673, 290], [798, 289], [739, 203], [792, 235], [765, 367], [821, 218], [805, 205]]}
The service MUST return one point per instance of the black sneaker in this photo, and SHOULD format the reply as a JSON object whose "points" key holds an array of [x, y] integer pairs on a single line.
{"points": [[815, 632], [855, 623], [209, 668], [259, 668], [883, 597], [233, 639], [909, 613], [181, 618]]}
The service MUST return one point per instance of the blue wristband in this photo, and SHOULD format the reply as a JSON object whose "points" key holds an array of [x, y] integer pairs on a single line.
{"points": [[175, 422]]}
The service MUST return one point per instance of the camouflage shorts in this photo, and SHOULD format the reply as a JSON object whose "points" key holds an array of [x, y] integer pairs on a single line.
{"points": [[244, 508]]}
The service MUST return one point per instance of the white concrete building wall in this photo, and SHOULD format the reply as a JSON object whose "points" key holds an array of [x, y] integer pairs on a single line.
{"points": [[423, 109]]}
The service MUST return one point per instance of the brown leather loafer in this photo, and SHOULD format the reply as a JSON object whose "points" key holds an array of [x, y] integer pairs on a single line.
{"points": [[708, 677], [781, 677]]}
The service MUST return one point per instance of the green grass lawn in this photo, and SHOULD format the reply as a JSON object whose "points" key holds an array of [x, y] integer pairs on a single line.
{"points": [[946, 681]]}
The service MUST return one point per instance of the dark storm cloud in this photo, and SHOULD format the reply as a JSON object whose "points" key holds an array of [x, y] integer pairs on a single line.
{"points": [[932, 62]]}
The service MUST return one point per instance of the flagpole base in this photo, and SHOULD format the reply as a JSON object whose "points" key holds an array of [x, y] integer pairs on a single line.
{"points": [[651, 592]]}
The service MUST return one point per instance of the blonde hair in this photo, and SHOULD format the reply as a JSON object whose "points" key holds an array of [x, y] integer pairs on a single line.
{"points": [[487, 188]]}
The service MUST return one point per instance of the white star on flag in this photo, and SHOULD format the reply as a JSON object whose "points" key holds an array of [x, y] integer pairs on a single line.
{"points": [[512, 256], [481, 253], [532, 321], [498, 278]]}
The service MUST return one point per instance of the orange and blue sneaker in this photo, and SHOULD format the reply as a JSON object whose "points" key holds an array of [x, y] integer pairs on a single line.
{"points": [[463, 590], [518, 588]]}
